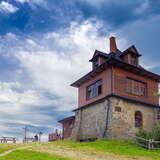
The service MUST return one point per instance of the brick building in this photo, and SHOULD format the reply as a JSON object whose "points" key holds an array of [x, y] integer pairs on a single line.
{"points": [[67, 124], [117, 97]]}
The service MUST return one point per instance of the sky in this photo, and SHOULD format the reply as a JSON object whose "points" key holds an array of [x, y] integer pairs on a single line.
{"points": [[45, 45]]}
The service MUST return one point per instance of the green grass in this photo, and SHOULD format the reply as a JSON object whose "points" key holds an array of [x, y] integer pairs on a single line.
{"points": [[120, 147], [31, 155], [99, 147], [6, 147]]}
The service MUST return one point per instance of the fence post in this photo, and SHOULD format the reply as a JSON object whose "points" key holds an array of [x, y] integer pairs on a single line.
{"points": [[149, 144]]}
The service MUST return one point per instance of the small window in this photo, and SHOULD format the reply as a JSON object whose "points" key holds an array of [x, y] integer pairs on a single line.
{"points": [[158, 115], [133, 60], [95, 63], [94, 89], [138, 119], [118, 109]]}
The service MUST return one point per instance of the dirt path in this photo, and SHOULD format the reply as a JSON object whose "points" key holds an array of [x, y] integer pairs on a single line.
{"points": [[11, 150], [85, 155]]}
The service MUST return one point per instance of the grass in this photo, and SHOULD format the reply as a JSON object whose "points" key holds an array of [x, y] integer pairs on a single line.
{"points": [[120, 147], [6, 147], [31, 155], [108, 149]]}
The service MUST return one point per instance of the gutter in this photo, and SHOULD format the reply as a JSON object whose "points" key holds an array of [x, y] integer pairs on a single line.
{"points": [[108, 106]]}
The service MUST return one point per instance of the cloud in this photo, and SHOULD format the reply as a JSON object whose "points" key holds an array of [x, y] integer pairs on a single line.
{"points": [[7, 7], [39, 92], [32, 3]]}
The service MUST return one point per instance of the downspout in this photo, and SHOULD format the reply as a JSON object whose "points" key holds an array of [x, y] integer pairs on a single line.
{"points": [[108, 105]]}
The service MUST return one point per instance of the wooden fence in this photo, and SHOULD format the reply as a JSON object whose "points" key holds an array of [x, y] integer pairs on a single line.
{"points": [[147, 143], [7, 139]]}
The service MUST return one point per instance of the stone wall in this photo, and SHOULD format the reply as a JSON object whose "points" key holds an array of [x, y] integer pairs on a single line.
{"points": [[103, 120], [123, 123], [90, 122]]}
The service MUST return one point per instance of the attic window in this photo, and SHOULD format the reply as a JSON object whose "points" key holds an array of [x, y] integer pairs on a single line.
{"points": [[133, 60], [95, 63]]}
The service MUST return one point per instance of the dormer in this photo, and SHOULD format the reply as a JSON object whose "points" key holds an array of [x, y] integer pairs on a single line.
{"points": [[98, 58], [131, 56]]}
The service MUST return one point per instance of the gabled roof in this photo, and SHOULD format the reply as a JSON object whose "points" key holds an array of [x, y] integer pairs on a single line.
{"points": [[131, 49], [98, 53]]}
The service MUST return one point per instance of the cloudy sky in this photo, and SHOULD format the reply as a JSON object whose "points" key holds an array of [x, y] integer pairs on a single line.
{"points": [[45, 45]]}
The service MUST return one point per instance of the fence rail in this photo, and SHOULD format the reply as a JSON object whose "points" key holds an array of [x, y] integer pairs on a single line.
{"points": [[147, 143]]}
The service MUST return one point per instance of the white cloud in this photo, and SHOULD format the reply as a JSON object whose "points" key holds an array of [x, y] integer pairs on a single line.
{"points": [[7, 7], [95, 3], [32, 3], [49, 64]]}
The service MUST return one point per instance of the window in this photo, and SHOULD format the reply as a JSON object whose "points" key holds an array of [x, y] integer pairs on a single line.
{"points": [[136, 87], [133, 60], [118, 109], [158, 115], [95, 63], [94, 89], [138, 119]]}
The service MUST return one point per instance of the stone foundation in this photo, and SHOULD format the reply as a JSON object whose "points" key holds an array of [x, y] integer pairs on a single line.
{"points": [[112, 118]]}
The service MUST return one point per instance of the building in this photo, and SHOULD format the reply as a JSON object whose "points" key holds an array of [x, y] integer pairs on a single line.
{"points": [[54, 136], [67, 124], [117, 97]]}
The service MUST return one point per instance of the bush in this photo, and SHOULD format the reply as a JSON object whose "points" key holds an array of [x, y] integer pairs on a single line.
{"points": [[156, 133], [144, 134]]}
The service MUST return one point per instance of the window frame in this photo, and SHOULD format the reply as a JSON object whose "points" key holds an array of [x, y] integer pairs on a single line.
{"points": [[95, 86], [134, 83], [140, 119]]}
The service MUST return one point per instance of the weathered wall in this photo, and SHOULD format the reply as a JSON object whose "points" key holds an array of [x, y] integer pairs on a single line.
{"points": [[123, 123], [91, 121], [67, 128], [152, 86], [106, 88]]}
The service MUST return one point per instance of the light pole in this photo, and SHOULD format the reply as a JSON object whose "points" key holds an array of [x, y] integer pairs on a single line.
{"points": [[40, 133]]}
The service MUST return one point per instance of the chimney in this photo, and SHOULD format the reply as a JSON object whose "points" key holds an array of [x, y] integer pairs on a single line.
{"points": [[113, 46]]}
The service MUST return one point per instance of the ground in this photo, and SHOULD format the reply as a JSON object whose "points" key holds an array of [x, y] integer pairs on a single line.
{"points": [[70, 150]]}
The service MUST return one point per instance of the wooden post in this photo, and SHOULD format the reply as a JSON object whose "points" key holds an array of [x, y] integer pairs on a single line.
{"points": [[149, 144]]}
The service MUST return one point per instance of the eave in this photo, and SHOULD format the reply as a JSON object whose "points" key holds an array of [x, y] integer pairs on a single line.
{"points": [[119, 63], [66, 119]]}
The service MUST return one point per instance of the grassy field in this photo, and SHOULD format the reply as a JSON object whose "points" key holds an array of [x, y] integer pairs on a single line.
{"points": [[70, 150], [6, 147], [31, 155]]}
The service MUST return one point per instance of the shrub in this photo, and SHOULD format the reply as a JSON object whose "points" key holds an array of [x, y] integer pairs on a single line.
{"points": [[156, 133], [144, 134]]}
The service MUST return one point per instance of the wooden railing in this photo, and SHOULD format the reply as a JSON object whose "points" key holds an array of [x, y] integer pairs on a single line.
{"points": [[147, 143]]}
